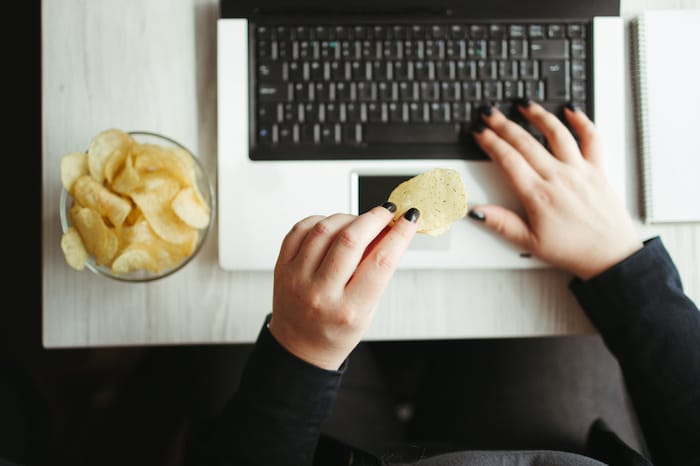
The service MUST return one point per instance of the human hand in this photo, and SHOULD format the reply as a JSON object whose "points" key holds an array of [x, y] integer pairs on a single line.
{"points": [[574, 218], [329, 277]]}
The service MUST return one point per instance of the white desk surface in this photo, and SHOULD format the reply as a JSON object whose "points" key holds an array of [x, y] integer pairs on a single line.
{"points": [[151, 65]]}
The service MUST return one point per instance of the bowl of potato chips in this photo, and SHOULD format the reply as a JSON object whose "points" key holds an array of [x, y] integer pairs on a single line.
{"points": [[136, 206]]}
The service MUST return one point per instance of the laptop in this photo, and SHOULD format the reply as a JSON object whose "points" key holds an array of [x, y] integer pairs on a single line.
{"points": [[324, 107]]}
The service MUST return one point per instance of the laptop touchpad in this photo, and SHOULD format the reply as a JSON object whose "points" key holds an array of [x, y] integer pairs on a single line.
{"points": [[374, 190]]}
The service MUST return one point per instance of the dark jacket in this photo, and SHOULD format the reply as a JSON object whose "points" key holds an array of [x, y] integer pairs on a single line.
{"points": [[642, 313]]}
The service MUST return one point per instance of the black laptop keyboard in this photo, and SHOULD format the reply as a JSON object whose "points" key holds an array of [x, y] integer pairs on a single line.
{"points": [[362, 91]]}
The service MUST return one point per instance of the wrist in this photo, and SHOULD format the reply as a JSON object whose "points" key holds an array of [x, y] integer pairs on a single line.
{"points": [[596, 267], [299, 346]]}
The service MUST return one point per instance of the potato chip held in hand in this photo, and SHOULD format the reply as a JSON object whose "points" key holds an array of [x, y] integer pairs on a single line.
{"points": [[440, 196], [136, 207]]}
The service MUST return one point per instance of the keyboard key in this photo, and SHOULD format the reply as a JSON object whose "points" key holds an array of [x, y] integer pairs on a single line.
{"points": [[512, 89], [558, 48], [458, 31], [536, 31], [516, 31], [308, 133], [477, 31], [556, 75], [461, 112], [471, 91], [418, 112], [353, 113], [465, 70], [476, 49], [273, 92], [265, 134], [487, 69], [440, 112], [429, 91], [578, 49], [517, 48], [351, 134], [492, 90], [327, 134], [529, 69], [497, 31], [498, 49], [556, 31], [534, 90], [411, 134], [271, 72], [267, 113], [398, 112], [578, 90]]}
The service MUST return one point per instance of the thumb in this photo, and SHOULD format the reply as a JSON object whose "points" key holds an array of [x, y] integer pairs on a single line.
{"points": [[505, 223]]}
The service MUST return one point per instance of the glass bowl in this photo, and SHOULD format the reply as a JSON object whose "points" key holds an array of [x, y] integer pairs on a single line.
{"points": [[206, 190]]}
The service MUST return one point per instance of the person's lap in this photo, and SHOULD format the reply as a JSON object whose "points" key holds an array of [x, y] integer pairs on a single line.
{"points": [[530, 393]]}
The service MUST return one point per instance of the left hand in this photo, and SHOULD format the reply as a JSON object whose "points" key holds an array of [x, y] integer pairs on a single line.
{"points": [[329, 277]]}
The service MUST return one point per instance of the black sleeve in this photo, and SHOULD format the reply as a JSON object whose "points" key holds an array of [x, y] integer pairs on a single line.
{"points": [[275, 416], [653, 329]]}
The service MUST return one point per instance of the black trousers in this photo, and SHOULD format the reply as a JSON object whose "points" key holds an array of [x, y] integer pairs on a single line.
{"points": [[404, 400]]}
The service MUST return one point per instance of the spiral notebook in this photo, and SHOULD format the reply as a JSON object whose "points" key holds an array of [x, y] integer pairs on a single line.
{"points": [[666, 75]]}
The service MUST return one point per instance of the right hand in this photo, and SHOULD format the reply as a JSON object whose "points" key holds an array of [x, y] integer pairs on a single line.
{"points": [[329, 277], [575, 220]]}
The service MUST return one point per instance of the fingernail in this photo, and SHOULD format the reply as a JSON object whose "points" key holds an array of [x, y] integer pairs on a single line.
{"points": [[477, 215], [571, 106], [479, 126], [523, 102], [390, 206], [412, 215], [486, 109]]}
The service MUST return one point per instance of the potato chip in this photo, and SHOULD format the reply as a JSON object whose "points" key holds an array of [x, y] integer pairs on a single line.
{"points": [[90, 193], [103, 146], [136, 206], [191, 208], [98, 238], [73, 249], [73, 166], [115, 164], [440, 196], [134, 258], [128, 178], [151, 158], [154, 198]]}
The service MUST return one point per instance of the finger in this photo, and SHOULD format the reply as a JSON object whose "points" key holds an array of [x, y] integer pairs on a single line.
{"points": [[521, 140], [376, 269], [559, 138], [350, 244], [318, 240], [293, 239], [518, 172], [505, 223], [591, 146]]}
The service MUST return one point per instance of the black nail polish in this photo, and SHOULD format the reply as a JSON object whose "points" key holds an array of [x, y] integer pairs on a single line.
{"points": [[478, 126], [412, 215], [523, 102], [571, 106], [390, 206], [486, 109], [477, 215]]}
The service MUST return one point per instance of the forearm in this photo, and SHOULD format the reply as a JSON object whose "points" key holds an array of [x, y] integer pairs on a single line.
{"points": [[276, 414], [653, 329]]}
